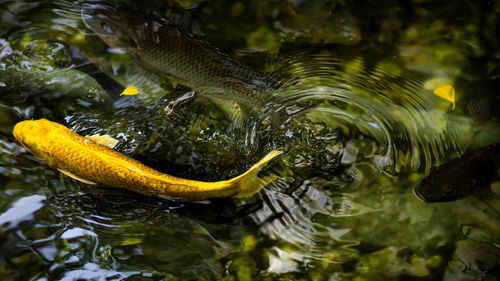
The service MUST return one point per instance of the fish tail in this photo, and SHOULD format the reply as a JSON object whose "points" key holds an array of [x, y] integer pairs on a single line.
{"points": [[249, 183], [483, 106]]}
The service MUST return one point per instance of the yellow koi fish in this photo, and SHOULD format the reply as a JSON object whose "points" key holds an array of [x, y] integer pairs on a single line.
{"points": [[91, 160]]}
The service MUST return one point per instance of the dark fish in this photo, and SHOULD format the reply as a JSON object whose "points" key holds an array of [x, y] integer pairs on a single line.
{"points": [[460, 177], [484, 105], [108, 84], [164, 48]]}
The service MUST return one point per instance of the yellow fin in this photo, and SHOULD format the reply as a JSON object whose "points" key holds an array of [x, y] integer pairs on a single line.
{"points": [[105, 140], [446, 92], [249, 183], [172, 198], [130, 91], [204, 202], [76, 177]]}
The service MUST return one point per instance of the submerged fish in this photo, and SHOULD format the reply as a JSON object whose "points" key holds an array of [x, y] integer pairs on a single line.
{"points": [[468, 173], [164, 48], [460, 177], [484, 104], [89, 161]]}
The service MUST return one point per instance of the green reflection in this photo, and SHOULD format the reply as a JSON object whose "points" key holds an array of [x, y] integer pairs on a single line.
{"points": [[357, 118]]}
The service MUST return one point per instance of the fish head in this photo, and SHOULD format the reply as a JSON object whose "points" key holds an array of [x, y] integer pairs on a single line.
{"points": [[442, 185], [460, 177], [431, 192], [36, 135], [112, 24]]}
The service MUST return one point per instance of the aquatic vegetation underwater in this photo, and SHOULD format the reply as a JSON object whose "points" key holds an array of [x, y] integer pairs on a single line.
{"points": [[363, 97]]}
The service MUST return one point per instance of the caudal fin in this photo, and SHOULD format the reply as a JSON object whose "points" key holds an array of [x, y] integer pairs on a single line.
{"points": [[249, 183]]}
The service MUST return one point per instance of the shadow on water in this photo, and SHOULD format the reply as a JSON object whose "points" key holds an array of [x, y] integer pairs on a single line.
{"points": [[358, 127]]}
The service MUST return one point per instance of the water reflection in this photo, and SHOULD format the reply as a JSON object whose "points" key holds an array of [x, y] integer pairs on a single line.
{"points": [[78, 232], [22, 210]]}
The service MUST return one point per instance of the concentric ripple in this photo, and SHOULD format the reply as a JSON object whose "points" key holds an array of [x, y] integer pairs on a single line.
{"points": [[386, 104], [360, 132]]}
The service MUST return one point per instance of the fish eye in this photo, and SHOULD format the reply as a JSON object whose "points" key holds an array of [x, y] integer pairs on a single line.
{"points": [[107, 28]]}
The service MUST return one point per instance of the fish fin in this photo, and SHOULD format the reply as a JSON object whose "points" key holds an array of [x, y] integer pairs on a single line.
{"points": [[249, 183], [231, 109], [105, 140], [195, 201], [163, 197], [76, 177], [204, 202], [482, 106]]}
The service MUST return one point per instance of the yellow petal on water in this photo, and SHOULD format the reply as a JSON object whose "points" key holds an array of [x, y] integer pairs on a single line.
{"points": [[130, 91], [446, 92]]}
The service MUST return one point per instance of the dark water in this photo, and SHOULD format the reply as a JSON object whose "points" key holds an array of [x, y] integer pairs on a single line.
{"points": [[357, 119]]}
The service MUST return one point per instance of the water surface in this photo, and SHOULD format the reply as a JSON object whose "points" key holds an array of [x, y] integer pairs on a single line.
{"points": [[357, 119]]}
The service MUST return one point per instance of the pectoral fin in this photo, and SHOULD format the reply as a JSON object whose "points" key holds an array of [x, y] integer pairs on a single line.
{"points": [[105, 140], [204, 202], [76, 177]]}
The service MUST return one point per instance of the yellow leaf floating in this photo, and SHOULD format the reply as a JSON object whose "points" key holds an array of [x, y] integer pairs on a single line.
{"points": [[130, 91], [446, 92]]}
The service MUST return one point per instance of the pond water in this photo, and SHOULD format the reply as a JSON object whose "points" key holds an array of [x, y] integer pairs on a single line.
{"points": [[349, 95]]}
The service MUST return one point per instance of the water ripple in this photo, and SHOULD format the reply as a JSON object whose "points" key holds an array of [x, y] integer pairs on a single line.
{"points": [[353, 126]]}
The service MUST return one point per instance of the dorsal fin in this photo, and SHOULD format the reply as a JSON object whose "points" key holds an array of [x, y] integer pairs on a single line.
{"points": [[105, 140]]}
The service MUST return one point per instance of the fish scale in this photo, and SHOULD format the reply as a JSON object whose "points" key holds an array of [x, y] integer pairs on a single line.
{"points": [[90, 162], [164, 48]]}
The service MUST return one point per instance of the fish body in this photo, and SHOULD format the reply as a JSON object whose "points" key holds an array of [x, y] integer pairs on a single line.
{"points": [[484, 105], [460, 177], [165, 48], [86, 160]]}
